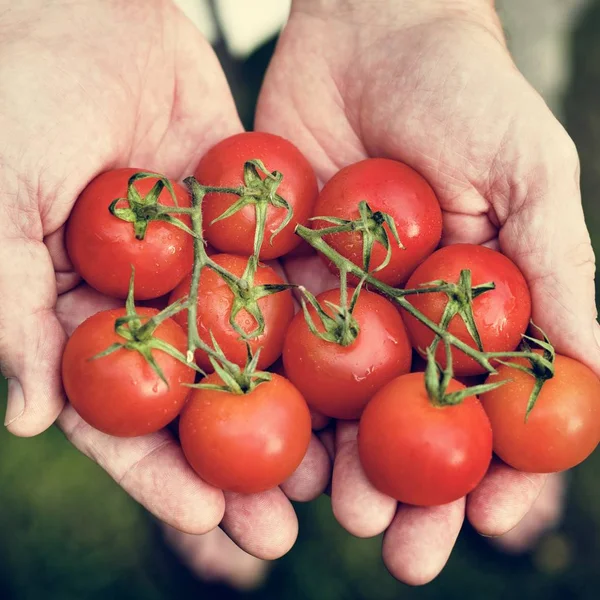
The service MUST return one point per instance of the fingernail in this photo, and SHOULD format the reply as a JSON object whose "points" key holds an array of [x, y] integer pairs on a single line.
{"points": [[16, 402]]}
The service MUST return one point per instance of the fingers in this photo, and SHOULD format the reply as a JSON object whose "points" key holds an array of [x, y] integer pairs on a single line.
{"points": [[264, 525], [502, 499], [310, 272], [214, 557], [312, 476], [31, 338], [318, 421], [66, 278], [76, 306], [544, 515], [327, 438], [419, 541], [357, 505], [460, 228], [153, 470]]}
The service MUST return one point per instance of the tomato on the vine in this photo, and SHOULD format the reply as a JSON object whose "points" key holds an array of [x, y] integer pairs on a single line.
{"points": [[420, 453], [245, 443], [103, 247], [392, 188], [215, 300], [120, 394], [501, 315], [336, 380], [223, 166], [561, 430]]}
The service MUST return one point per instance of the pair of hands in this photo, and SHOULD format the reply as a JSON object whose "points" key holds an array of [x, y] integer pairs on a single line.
{"points": [[91, 85]]}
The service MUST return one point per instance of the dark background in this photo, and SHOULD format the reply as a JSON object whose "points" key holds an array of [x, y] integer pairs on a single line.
{"points": [[68, 532]]}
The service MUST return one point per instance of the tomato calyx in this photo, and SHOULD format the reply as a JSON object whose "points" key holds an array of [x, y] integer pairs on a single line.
{"points": [[246, 295], [261, 192], [142, 210], [236, 380], [541, 363], [460, 302], [370, 224], [437, 380], [139, 335], [341, 327]]}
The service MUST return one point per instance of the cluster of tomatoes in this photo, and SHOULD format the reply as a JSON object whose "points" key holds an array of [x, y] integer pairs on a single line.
{"points": [[426, 346]]}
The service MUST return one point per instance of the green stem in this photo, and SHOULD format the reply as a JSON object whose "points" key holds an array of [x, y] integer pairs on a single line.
{"points": [[315, 240], [200, 260], [150, 326], [207, 189], [236, 380]]}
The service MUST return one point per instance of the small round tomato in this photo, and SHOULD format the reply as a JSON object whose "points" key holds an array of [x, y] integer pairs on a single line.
{"points": [[223, 166], [562, 429], [501, 315], [215, 300], [103, 247], [420, 453], [245, 443], [393, 188], [120, 394], [336, 380]]}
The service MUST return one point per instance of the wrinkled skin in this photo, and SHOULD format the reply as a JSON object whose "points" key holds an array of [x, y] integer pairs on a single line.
{"points": [[412, 81]]}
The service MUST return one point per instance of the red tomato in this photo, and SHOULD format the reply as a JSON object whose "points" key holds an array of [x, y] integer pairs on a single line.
{"points": [[245, 443], [120, 394], [562, 429], [391, 187], [419, 453], [501, 315], [336, 380], [223, 166], [103, 248], [215, 300]]}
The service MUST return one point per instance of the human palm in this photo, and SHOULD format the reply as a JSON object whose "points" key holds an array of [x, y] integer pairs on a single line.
{"points": [[94, 86], [440, 93]]}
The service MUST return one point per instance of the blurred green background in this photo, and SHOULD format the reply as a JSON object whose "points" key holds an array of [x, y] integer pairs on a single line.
{"points": [[68, 532]]}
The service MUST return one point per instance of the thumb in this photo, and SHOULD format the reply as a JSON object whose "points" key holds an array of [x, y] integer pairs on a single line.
{"points": [[548, 240], [31, 338]]}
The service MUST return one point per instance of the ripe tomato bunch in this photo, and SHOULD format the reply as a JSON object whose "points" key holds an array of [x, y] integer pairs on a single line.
{"points": [[427, 347]]}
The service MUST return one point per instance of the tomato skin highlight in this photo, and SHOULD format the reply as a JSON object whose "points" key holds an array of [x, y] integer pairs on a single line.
{"points": [[391, 187], [103, 248], [215, 300], [223, 166], [562, 429], [501, 315], [246, 443], [419, 453], [120, 394], [338, 381]]}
